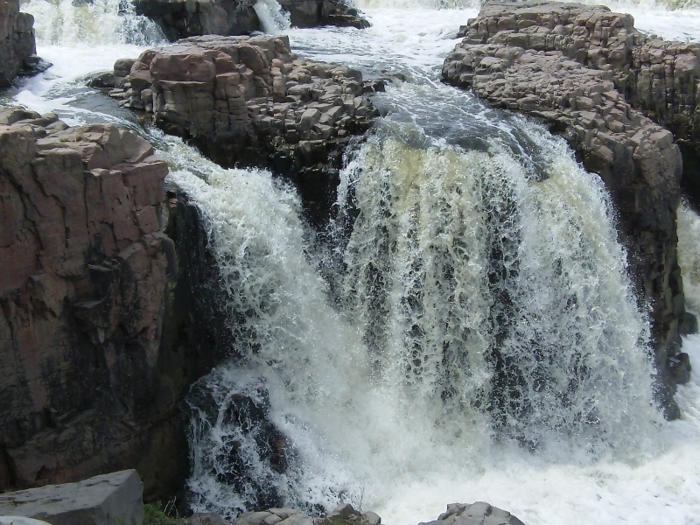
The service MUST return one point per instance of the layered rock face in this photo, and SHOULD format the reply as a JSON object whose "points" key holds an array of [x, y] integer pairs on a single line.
{"points": [[82, 295], [16, 41], [250, 101], [180, 19], [610, 90]]}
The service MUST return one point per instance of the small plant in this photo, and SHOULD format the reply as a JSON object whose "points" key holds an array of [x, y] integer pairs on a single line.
{"points": [[64, 139], [157, 514]]}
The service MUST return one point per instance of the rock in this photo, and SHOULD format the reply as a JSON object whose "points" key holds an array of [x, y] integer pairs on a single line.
{"points": [[82, 296], [249, 101], [203, 519], [573, 66], [479, 513], [109, 498], [315, 13], [238, 17], [343, 515], [20, 520], [200, 17], [17, 46]]}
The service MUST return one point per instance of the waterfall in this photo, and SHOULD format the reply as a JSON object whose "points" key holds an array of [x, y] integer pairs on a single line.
{"points": [[481, 299], [96, 22], [273, 18], [468, 333]]}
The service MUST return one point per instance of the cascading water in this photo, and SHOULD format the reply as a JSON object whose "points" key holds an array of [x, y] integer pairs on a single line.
{"points": [[426, 356]]}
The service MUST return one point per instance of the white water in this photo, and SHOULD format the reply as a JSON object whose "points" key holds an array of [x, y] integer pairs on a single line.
{"points": [[364, 426]]}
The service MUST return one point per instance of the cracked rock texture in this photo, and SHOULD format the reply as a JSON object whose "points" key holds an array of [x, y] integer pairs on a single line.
{"points": [[618, 97], [16, 41], [179, 19], [251, 102], [85, 267]]}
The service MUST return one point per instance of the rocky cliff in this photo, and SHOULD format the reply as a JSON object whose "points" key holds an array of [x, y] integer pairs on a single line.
{"points": [[618, 97], [99, 334], [17, 45], [250, 101], [179, 19]]}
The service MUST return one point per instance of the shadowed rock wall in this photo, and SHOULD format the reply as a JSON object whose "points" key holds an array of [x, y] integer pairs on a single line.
{"points": [[16, 40]]}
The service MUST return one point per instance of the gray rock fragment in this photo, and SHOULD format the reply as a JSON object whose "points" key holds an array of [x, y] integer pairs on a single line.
{"points": [[110, 498]]}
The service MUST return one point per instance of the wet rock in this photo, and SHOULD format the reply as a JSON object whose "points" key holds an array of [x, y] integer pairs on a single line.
{"points": [[252, 451], [17, 46], [203, 519], [251, 102], [315, 13], [479, 513], [109, 498], [593, 78], [238, 17]]}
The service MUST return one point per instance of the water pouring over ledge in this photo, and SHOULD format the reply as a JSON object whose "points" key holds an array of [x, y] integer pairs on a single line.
{"points": [[469, 466]]}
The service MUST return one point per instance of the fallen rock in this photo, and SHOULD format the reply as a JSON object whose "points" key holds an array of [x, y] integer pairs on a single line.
{"points": [[17, 45], [109, 498], [573, 66], [251, 102], [479, 513]]}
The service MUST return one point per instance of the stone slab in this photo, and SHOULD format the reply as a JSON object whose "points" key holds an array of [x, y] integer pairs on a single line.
{"points": [[102, 500]]}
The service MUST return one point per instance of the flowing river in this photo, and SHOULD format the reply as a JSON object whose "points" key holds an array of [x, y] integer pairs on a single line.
{"points": [[478, 240]]}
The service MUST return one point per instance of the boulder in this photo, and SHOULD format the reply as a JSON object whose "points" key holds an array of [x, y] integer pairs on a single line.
{"points": [[249, 101], [110, 498], [479, 513], [17, 46], [577, 68]]}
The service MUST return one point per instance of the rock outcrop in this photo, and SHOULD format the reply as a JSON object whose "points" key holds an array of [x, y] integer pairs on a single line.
{"points": [[105, 320], [17, 46], [479, 513], [315, 13], [251, 102], [179, 19], [109, 498], [612, 92], [82, 295]]}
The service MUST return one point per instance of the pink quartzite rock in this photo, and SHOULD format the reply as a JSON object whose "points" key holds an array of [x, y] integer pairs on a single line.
{"points": [[85, 268]]}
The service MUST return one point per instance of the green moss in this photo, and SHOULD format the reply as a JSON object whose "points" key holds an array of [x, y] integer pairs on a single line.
{"points": [[156, 514]]}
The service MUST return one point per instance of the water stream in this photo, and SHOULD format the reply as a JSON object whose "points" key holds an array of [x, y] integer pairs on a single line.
{"points": [[473, 336]]}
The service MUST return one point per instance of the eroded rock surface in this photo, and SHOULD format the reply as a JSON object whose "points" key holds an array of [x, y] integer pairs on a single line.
{"points": [[82, 294], [250, 101], [17, 46], [178, 19], [610, 91]]}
